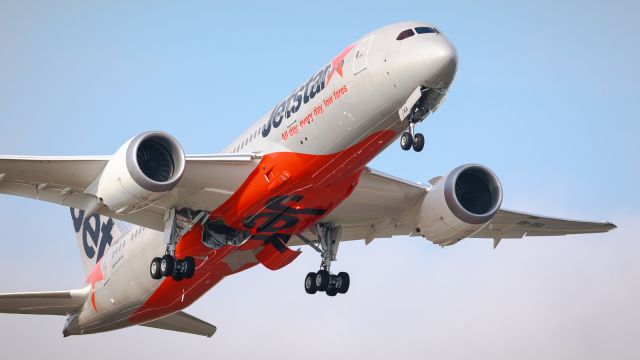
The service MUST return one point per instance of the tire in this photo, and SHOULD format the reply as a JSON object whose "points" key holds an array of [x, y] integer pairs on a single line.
{"points": [[177, 276], [344, 282], [406, 141], [154, 269], [418, 142], [332, 291], [190, 267], [322, 280], [167, 264], [310, 283]]}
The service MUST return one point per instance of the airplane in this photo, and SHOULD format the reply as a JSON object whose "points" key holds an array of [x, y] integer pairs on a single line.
{"points": [[298, 177]]}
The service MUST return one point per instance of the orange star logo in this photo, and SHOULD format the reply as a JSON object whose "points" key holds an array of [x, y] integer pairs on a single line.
{"points": [[338, 61], [95, 276]]}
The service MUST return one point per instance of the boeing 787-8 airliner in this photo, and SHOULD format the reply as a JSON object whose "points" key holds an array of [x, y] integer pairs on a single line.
{"points": [[298, 176]]}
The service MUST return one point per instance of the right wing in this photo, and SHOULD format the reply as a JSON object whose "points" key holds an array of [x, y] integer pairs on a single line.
{"points": [[43, 303], [208, 181], [183, 322]]}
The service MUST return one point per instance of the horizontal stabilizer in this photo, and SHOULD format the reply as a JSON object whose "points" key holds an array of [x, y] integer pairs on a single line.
{"points": [[43, 303], [183, 322]]}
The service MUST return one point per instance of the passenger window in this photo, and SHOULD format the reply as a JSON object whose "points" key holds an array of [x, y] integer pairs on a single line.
{"points": [[426, 30], [405, 34]]}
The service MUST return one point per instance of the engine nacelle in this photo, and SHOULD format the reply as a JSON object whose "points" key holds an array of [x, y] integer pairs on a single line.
{"points": [[459, 204], [142, 170]]}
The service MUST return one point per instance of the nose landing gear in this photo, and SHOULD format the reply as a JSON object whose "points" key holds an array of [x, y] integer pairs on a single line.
{"points": [[422, 102]]}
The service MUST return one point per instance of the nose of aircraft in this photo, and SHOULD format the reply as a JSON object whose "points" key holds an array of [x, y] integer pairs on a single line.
{"points": [[441, 61]]}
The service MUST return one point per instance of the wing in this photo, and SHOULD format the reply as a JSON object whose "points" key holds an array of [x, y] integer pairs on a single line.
{"points": [[207, 182], [183, 322], [383, 206], [380, 206], [509, 224], [43, 303]]}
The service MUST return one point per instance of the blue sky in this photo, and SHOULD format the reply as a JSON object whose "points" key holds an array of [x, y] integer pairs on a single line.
{"points": [[545, 95]]}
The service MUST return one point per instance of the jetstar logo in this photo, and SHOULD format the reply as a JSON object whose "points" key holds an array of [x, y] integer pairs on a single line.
{"points": [[305, 93], [96, 235]]}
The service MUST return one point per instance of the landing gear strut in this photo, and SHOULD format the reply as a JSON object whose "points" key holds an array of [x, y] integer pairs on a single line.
{"points": [[168, 265], [323, 280]]}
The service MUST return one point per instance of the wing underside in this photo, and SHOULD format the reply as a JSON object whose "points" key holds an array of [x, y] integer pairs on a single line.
{"points": [[384, 206], [207, 182], [380, 206], [509, 224]]}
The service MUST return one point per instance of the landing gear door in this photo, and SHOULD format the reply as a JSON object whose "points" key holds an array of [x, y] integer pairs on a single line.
{"points": [[361, 54], [408, 105]]}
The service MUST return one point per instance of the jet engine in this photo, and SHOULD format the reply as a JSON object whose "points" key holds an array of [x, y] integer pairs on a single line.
{"points": [[142, 170], [459, 204]]}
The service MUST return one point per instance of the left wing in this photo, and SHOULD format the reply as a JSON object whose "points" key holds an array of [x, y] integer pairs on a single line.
{"points": [[509, 224], [383, 206], [380, 206], [207, 182]]}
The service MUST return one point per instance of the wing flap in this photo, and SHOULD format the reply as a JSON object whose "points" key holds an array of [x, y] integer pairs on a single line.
{"points": [[183, 322], [43, 303]]}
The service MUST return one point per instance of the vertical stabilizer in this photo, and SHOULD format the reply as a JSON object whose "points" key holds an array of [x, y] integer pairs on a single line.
{"points": [[94, 235]]}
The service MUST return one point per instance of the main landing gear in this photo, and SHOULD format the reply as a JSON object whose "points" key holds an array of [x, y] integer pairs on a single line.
{"points": [[175, 228], [168, 265], [411, 139], [323, 280]]}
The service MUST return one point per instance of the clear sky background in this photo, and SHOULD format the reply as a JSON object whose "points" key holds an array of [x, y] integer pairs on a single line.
{"points": [[546, 95]]}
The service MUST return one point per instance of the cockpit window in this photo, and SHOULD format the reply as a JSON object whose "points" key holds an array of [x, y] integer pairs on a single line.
{"points": [[426, 30], [405, 34]]}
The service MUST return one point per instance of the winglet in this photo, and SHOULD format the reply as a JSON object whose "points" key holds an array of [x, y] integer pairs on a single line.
{"points": [[496, 241]]}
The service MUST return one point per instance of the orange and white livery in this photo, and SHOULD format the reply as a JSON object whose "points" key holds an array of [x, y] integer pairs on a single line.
{"points": [[298, 176]]}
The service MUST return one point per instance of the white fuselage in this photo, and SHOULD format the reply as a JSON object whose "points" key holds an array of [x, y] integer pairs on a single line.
{"points": [[355, 96]]}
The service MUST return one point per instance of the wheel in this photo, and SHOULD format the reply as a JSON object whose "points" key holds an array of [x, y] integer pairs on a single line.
{"points": [[332, 291], [154, 269], [418, 142], [190, 264], [344, 282], [406, 140], [310, 283], [167, 264], [322, 280], [177, 276]]}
